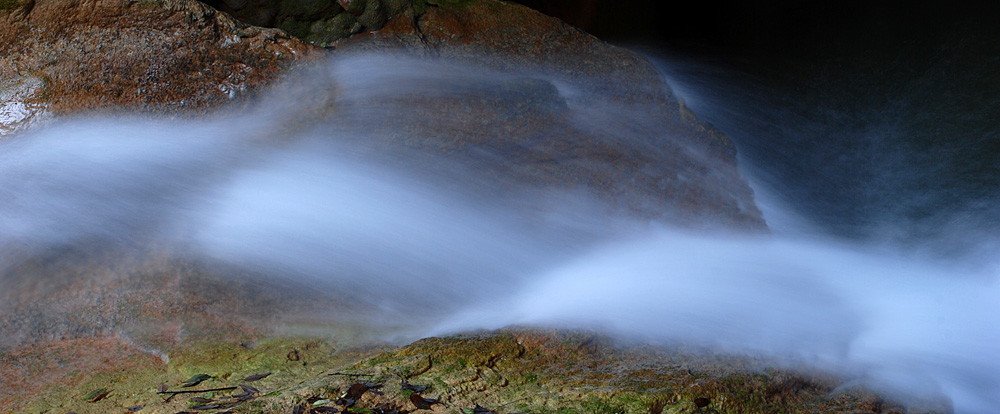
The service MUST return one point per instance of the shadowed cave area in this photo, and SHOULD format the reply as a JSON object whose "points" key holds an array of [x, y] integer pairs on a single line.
{"points": [[319, 22]]}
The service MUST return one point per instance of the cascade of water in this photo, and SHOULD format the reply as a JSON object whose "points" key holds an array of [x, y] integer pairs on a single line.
{"points": [[416, 235]]}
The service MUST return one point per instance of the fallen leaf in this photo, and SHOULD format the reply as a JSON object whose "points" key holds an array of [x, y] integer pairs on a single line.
{"points": [[383, 408], [421, 402], [201, 400], [134, 408], [195, 380], [415, 388], [256, 377], [355, 392], [250, 390], [162, 388], [97, 395], [246, 396], [482, 410], [702, 402]]}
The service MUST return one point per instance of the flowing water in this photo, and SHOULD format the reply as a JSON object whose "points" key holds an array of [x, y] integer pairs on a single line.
{"points": [[417, 235]]}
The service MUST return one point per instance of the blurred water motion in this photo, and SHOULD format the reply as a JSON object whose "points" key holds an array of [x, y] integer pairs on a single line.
{"points": [[426, 244]]}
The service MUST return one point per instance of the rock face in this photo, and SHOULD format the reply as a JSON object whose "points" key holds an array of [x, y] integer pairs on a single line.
{"points": [[319, 22], [523, 371], [598, 116], [64, 56], [648, 156]]}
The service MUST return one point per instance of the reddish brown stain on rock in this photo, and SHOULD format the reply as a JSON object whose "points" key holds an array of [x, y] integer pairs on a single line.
{"points": [[680, 169], [142, 55]]}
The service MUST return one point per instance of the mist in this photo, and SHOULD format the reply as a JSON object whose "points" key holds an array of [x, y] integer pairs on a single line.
{"points": [[408, 234]]}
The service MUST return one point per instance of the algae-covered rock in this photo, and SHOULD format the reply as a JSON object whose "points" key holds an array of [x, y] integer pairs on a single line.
{"points": [[15, 10], [325, 32], [527, 371]]}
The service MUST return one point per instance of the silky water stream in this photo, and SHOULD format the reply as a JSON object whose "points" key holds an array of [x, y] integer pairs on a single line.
{"points": [[412, 234]]}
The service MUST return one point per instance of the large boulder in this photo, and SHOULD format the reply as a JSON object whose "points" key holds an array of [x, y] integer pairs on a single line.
{"points": [[600, 117], [643, 151], [62, 56]]}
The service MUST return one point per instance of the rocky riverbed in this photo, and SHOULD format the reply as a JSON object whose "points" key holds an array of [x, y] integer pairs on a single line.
{"points": [[508, 371]]}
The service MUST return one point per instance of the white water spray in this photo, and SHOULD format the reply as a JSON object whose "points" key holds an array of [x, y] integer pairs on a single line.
{"points": [[422, 242]]}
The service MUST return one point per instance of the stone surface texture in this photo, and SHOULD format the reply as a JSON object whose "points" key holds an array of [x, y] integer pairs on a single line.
{"points": [[643, 150], [67, 56]]}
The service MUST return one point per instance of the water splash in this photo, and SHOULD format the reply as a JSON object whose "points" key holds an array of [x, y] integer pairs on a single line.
{"points": [[909, 327], [448, 247]]}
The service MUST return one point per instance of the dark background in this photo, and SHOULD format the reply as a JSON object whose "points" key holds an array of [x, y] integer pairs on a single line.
{"points": [[765, 27], [876, 121]]}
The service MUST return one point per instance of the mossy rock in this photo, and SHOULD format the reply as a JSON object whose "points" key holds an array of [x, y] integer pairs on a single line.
{"points": [[310, 10], [324, 32], [22, 7], [450, 3], [295, 27], [531, 371]]}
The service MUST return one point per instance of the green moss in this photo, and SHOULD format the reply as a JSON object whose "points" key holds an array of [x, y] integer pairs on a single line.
{"points": [[7, 5], [546, 376], [227, 363], [294, 27], [335, 28], [451, 3], [419, 7], [379, 359], [599, 406]]}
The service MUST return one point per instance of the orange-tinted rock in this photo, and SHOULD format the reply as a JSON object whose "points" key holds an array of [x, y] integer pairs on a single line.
{"points": [[643, 152], [138, 55], [64, 56], [38, 369]]}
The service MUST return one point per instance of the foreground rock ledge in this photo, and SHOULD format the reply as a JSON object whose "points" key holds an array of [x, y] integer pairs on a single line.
{"points": [[519, 370]]}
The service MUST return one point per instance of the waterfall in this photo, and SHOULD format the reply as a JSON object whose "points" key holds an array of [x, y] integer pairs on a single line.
{"points": [[430, 244]]}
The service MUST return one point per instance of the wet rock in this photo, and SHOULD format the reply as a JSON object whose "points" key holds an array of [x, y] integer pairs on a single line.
{"points": [[643, 151], [325, 32], [315, 21], [135, 55], [373, 16], [15, 10], [21, 102], [180, 55]]}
